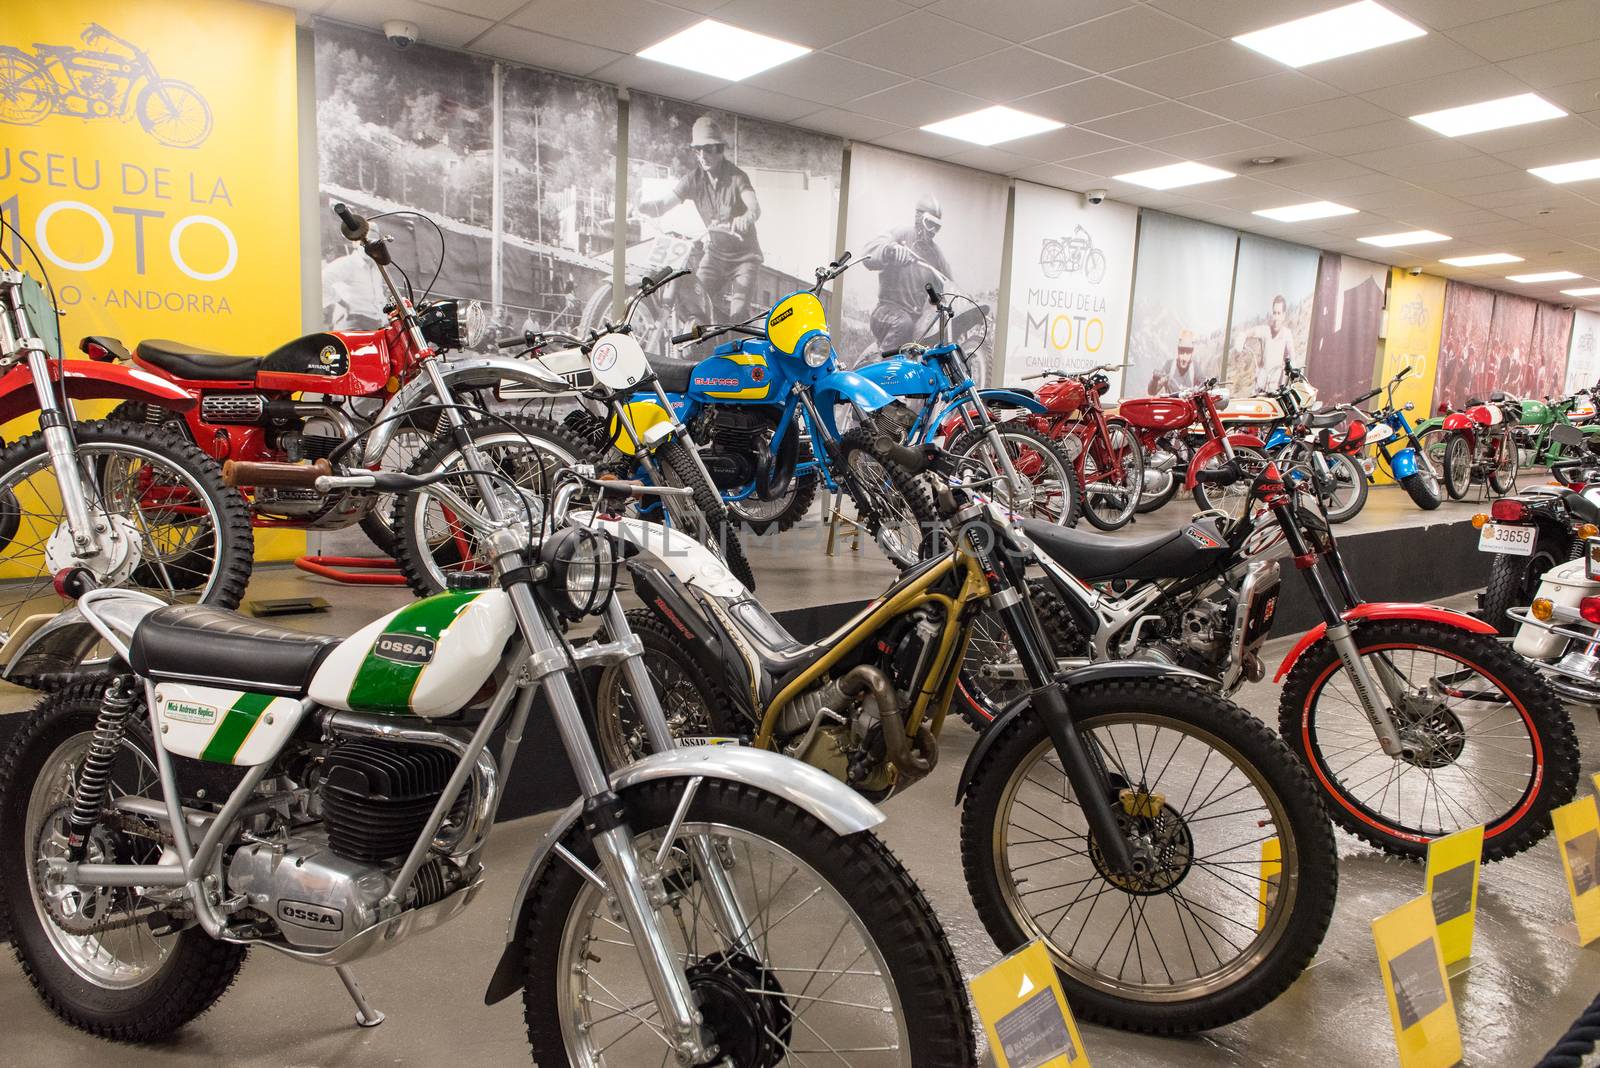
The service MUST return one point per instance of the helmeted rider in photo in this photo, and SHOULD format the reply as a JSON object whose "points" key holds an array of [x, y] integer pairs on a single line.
{"points": [[728, 206], [906, 258]]}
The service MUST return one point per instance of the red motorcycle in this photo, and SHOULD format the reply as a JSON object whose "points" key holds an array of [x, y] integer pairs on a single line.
{"points": [[1105, 450], [1173, 450], [261, 408], [1478, 445]]}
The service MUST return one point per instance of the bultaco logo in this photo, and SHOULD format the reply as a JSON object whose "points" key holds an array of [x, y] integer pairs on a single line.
{"points": [[781, 316], [405, 648]]}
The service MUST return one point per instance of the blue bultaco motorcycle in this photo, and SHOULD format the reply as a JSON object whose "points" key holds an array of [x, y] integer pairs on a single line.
{"points": [[936, 401], [762, 412], [1409, 464]]}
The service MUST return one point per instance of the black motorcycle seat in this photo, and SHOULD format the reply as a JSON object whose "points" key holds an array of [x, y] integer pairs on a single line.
{"points": [[1581, 507], [213, 647], [673, 374], [197, 365], [1325, 420], [1096, 557]]}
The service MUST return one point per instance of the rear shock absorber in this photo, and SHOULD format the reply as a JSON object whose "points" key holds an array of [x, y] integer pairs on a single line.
{"points": [[94, 777]]}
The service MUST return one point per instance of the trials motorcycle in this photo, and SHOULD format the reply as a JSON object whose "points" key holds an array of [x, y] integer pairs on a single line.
{"points": [[1391, 705], [1409, 464], [312, 397], [240, 786], [130, 505], [1057, 808]]}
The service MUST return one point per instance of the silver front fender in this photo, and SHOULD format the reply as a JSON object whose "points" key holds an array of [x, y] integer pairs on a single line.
{"points": [[60, 643], [821, 795], [474, 372]]}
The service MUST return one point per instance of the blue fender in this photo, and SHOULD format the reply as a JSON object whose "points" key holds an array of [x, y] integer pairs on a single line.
{"points": [[841, 387], [1079, 676], [900, 377], [1011, 398], [1403, 464]]}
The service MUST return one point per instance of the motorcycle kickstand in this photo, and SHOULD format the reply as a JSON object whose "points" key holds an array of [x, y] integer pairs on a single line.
{"points": [[366, 1015]]}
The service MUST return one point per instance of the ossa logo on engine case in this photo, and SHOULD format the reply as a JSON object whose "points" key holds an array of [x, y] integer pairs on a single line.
{"points": [[305, 914], [405, 648]]}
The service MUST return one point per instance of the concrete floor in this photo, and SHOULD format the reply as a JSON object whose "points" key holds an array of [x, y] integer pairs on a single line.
{"points": [[1528, 979]]}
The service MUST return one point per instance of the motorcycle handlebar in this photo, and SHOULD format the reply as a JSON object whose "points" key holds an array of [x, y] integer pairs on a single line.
{"points": [[1219, 476], [933, 294], [523, 342], [237, 473], [694, 333], [354, 226]]}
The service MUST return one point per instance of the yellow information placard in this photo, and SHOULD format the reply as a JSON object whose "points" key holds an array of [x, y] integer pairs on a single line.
{"points": [[1267, 884], [1453, 864], [1577, 826], [1426, 1034], [1025, 1013]]}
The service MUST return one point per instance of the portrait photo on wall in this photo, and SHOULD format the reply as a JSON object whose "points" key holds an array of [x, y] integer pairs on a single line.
{"points": [[1179, 321], [413, 133], [1274, 291], [1583, 353], [750, 207], [1546, 374], [1343, 350], [912, 222], [1465, 369]]}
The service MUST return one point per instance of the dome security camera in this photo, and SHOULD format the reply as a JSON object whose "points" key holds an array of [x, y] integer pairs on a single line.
{"points": [[1095, 196], [401, 34], [1413, 271]]}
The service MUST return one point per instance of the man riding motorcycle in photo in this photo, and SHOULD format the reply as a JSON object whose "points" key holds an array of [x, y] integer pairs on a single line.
{"points": [[727, 203], [907, 259]]}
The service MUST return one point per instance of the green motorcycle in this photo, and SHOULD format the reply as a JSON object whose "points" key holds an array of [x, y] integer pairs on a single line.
{"points": [[1539, 418]]}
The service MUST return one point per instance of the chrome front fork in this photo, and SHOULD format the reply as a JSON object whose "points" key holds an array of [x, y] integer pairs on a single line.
{"points": [[1378, 698], [469, 450], [54, 421]]}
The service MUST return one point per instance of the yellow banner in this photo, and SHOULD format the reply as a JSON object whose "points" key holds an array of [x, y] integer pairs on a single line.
{"points": [[1453, 863], [1025, 1012], [149, 153], [1416, 314], [1426, 1034]]}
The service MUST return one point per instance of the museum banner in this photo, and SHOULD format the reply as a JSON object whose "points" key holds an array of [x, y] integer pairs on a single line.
{"points": [[1416, 314], [1344, 326], [1274, 291], [1583, 353], [1179, 320], [912, 222], [148, 152], [1071, 278]]}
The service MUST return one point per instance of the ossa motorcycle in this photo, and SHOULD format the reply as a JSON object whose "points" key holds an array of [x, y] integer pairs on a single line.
{"points": [[238, 786], [130, 505], [1414, 720], [1102, 784]]}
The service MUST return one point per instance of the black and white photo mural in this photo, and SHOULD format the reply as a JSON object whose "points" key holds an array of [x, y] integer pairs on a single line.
{"points": [[751, 207], [912, 222], [427, 132]]}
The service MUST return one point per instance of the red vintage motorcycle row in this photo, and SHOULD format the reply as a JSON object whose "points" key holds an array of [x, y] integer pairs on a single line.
{"points": [[1479, 445], [1184, 435], [1106, 451]]}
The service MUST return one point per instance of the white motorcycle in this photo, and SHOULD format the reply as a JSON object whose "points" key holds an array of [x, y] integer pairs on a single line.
{"points": [[1560, 631], [238, 786]]}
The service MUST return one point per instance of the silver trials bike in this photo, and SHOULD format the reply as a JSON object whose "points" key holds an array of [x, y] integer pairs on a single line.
{"points": [[710, 906]]}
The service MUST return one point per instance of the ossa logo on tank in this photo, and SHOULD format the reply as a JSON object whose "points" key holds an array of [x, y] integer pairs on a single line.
{"points": [[405, 648], [308, 915]]}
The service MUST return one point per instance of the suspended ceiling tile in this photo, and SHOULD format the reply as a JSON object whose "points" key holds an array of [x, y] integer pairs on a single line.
{"points": [[493, 10], [1226, 138], [1009, 74], [618, 25], [1091, 98], [1584, 145], [825, 78], [1445, 14], [1061, 177], [1557, 66], [815, 23], [1261, 96], [1023, 20], [916, 104], [996, 160], [540, 50], [1551, 132], [1576, 97], [1491, 183], [1400, 158], [1231, 19], [922, 143], [848, 124], [1430, 174], [1152, 123], [437, 26], [1133, 35], [919, 44], [1405, 61], [1121, 160], [631, 72], [1339, 114], [1390, 133], [759, 103], [1533, 30], [1482, 82], [1200, 69]]}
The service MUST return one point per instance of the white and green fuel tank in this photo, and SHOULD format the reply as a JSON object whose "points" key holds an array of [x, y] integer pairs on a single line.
{"points": [[426, 659]]}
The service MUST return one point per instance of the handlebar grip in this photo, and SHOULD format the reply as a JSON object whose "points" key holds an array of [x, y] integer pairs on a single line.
{"points": [[1407, 369], [691, 335], [288, 476], [354, 226], [933, 294], [523, 342], [843, 259]]}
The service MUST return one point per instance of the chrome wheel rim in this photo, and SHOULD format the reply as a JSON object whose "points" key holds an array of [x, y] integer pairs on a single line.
{"points": [[1042, 495], [899, 530], [1115, 501]]}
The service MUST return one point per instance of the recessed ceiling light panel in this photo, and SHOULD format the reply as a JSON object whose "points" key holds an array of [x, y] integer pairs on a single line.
{"points": [[1409, 237], [1543, 276], [993, 125], [722, 51], [1516, 110], [1174, 175], [1342, 31], [1482, 261], [1587, 291], [1576, 171], [1317, 209]]}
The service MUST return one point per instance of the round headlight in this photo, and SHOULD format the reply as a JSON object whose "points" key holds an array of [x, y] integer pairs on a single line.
{"points": [[582, 571], [474, 324], [818, 350]]}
